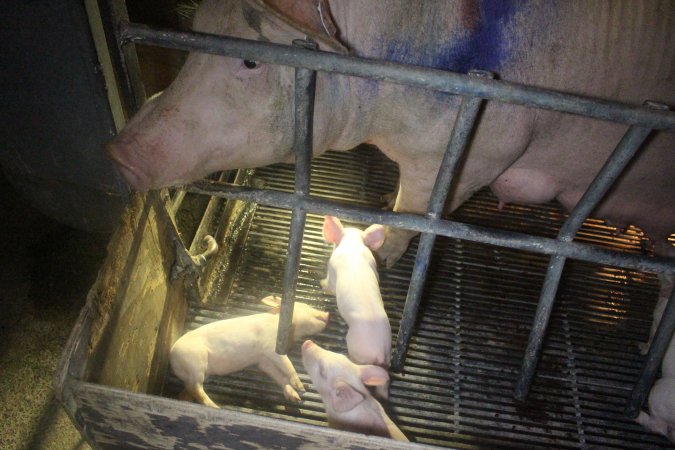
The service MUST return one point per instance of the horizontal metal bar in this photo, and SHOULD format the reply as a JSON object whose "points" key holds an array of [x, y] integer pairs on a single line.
{"points": [[475, 233], [439, 80], [464, 123]]}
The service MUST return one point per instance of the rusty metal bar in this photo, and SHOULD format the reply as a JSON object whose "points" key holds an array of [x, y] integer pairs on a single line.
{"points": [[305, 86], [610, 172], [310, 60], [113, 14], [461, 132], [434, 79], [657, 349], [474, 233]]}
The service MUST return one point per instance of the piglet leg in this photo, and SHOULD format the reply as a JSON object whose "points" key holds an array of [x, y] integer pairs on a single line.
{"points": [[196, 392], [327, 285], [281, 370]]}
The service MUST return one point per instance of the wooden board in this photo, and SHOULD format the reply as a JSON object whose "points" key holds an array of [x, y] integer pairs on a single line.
{"points": [[114, 418]]}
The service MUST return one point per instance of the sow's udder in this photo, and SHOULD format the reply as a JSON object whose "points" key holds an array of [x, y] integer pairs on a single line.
{"points": [[525, 186]]}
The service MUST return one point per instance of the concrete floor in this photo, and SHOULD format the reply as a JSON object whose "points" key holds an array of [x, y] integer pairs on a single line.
{"points": [[47, 270]]}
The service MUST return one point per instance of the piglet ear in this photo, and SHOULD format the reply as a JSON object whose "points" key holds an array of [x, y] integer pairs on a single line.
{"points": [[332, 230], [274, 302], [344, 397], [373, 237], [374, 375]]}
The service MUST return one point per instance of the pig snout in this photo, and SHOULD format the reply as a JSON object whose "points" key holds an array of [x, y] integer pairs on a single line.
{"points": [[310, 354], [128, 146], [309, 321], [307, 345], [116, 151]]}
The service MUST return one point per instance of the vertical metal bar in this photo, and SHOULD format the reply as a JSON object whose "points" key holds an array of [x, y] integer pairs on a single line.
{"points": [[657, 349], [305, 86], [464, 123], [113, 14], [610, 172]]}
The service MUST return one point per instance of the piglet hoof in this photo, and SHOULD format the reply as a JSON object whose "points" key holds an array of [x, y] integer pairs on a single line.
{"points": [[325, 286], [382, 392], [208, 402], [644, 347], [298, 385], [291, 394]]}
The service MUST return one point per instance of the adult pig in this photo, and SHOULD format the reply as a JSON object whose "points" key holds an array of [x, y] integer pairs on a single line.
{"points": [[342, 385], [226, 346], [223, 113]]}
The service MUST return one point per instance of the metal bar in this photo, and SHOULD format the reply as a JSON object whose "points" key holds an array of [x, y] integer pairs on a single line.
{"points": [[657, 349], [539, 326], [307, 61], [474, 233], [439, 80], [305, 86], [114, 13], [464, 124], [610, 172], [177, 200]]}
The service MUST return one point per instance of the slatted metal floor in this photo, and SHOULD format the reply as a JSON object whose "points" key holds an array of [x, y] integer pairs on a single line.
{"points": [[472, 329]]}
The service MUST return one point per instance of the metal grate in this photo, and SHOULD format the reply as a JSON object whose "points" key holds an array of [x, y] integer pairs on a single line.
{"points": [[474, 88], [476, 313]]}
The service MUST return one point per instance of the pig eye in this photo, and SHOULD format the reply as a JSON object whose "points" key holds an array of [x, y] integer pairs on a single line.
{"points": [[247, 68], [322, 371]]}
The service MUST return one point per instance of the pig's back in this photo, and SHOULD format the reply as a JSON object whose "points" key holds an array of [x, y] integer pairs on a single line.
{"points": [[231, 344]]}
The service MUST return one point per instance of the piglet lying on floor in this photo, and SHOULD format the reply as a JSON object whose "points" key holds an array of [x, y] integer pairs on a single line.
{"points": [[352, 277], [661, 417], [227, 346], [342, 385]]}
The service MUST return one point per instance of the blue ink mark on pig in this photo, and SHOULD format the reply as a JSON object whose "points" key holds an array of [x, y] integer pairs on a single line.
{"points": [[484, 46]]}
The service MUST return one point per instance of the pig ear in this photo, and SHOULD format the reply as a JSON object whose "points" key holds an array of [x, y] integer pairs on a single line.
{"points": [[274, 302], [345, 397], [312, 17], [332, 230], [373, 237], [374, 375]]}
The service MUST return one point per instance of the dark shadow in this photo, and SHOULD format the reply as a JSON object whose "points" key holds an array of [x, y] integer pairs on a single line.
{"points": [[48, 421]]}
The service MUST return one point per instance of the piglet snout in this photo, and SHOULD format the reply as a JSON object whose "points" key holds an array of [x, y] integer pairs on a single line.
{"points": [[308, 343]]}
